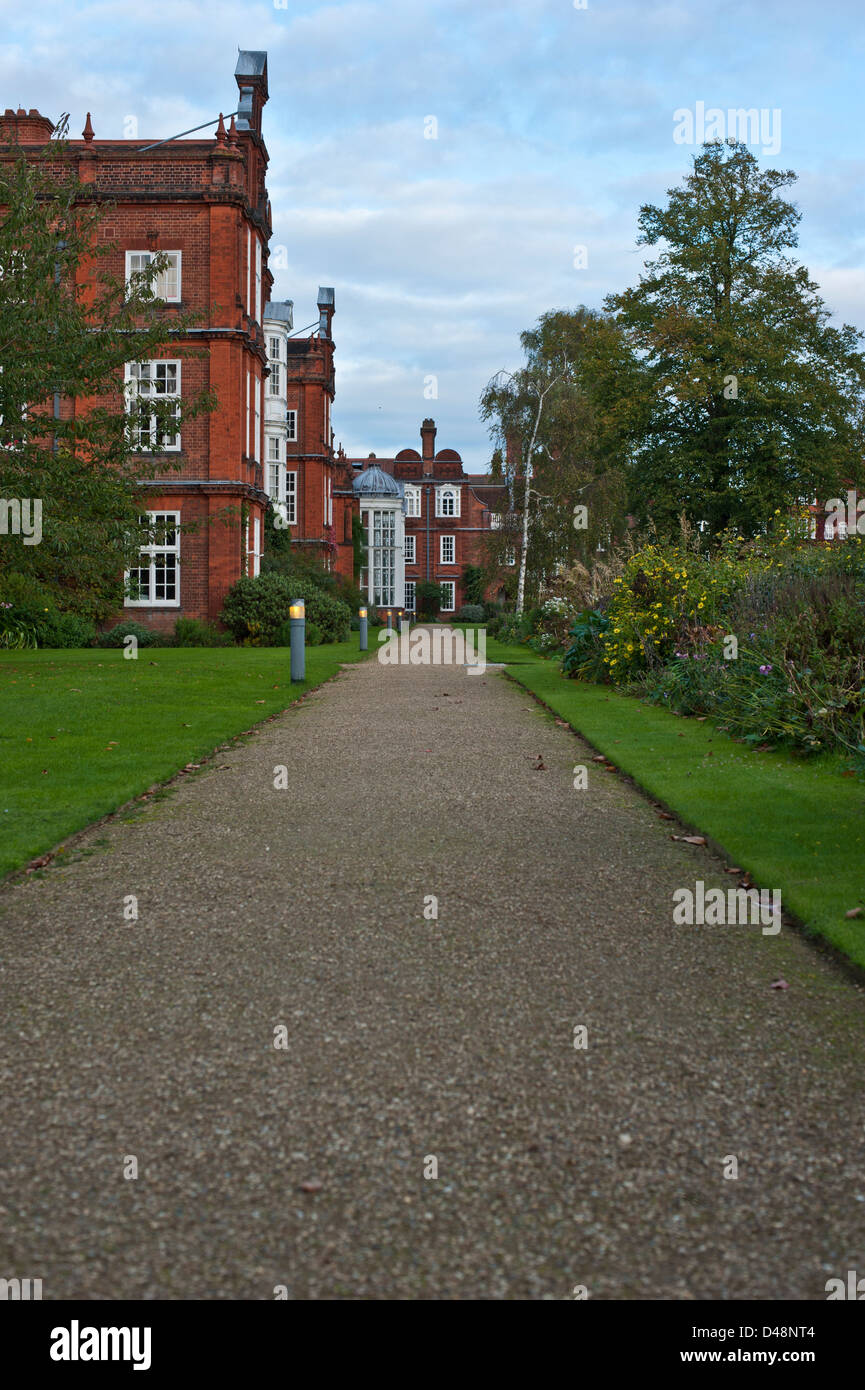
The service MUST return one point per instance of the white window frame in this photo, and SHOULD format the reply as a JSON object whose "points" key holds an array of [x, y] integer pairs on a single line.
{"points": [[510, 556], [383, 554], [258, 279], [452, 585], [256, 546], [132, 380], [452, 547], [257, 386], [451, 493], [412, 501], [249, 271], [164, 277], [152, 550], [248, 410], [410, 596], [291, 431], [410, 556], [275, 364], [291, 497]]}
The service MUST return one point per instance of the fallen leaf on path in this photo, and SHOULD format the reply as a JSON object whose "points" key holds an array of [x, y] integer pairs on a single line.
{"points": [[311, 1185], [732, 871], [599, 758], [779, 984], [664, 815], [690, 839]]}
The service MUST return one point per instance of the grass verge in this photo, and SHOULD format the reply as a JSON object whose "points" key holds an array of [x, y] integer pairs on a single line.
{"points": [[82, 732], [794, 825]]}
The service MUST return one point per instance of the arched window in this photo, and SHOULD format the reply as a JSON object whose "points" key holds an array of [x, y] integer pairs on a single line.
{"points": [[447, 501]]}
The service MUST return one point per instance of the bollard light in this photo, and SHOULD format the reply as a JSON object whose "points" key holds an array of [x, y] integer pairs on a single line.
{"points": [[297, 629], [389, 620], [361, 613]]}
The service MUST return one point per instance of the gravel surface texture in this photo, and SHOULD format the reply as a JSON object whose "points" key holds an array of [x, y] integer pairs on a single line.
{"points": [[408, 1039]]}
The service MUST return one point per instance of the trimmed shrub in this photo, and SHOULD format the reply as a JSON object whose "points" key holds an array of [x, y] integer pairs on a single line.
{"points": [[145, 636], [255, 610], [471, 613]]}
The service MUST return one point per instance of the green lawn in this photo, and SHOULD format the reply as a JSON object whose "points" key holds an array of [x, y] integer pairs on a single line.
{"points": [[795, 825], [500, 651], [81, 732]]}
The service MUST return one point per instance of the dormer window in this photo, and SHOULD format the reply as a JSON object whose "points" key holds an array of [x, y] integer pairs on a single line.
{"points": [[447, 501]]}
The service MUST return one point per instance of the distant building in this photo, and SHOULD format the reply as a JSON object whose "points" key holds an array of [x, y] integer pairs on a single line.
{"points": [[425, 519]]}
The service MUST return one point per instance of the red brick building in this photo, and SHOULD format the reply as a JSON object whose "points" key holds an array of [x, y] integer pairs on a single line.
{"points": [[204, 203], [308, 484], [266, 453], [446, 510]]}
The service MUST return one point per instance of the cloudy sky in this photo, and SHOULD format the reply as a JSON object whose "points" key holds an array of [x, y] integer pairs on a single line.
{"points": [[552, 125]]}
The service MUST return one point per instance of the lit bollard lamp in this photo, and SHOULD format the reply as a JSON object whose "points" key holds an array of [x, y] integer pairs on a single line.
{"points": [[297, 627], [361, 613], [389, 621], [400, 622]]}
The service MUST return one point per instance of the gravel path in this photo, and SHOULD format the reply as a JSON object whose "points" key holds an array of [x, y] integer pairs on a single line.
{"points": [[409, 1039]]}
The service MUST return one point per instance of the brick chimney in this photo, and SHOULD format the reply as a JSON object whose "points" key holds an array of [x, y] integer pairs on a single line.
{"points": [[251, 77], [25, 127], [513, 453], [326, 307], [428, 444]]}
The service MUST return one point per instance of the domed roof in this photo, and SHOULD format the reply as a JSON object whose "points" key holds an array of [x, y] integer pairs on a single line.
{"points": [[374, 480]]}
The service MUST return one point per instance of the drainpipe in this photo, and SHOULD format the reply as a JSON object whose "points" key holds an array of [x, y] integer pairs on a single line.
{"points": [[428, 492]]}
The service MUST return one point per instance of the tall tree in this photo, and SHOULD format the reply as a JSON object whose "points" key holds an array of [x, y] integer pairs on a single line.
{"points": [[67, 329], [571, 408], [753, 399]]}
